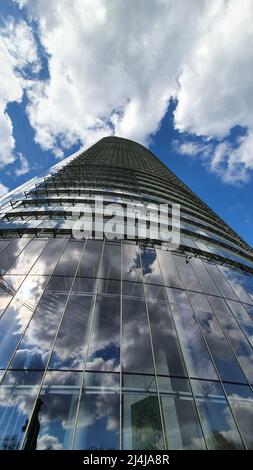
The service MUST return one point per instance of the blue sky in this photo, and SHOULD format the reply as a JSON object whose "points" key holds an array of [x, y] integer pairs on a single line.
{"points": [[174, 77]]}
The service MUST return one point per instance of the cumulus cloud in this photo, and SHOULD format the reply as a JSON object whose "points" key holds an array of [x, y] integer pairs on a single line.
{"points": [[114, 66], [24, 166], [3, 189], [17, 52]]}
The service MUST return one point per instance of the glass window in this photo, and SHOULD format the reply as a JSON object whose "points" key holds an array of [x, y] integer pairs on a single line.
{"points": [[71, 343], [59, 284], [12, 326], [155, 292], [58, 405], [167, 353], [109, 286], [240, 398], [220, 281], [242, 284], [133, 289], [168, 268], [222, 354], [217, 421], [69, 260], [31, 290], [240, 345], [90, 259], [181, 421], [26, 259], [187, 274], [196, 355], [99, 412], [104, 349], [48, 259], [141, 418], [204, 277], [35, 347], [241, 315], [136, 337], [177, 296], [5, 298], [84, 284], [10, 253], [150, 266], [110, 266], [18, 393], [131, 264]]}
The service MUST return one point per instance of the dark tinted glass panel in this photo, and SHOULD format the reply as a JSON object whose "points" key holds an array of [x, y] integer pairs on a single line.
{"points": [[10, 253], [168, 268], [155, 292], [58, 405], [35, 347], [131, 264], [141, 418], [111, 262], [91, 258], [196, 355], [217, 421], [166, 349], [104, 349], [109, 286], [181, 421], [99, 412], [59, 284], [18, 393], [48, 259], [71, 343], [150, 266], [26, 259], [133, 289], [187, 274], [84, 284], [135, 337], [240, 398], [69, 260]]}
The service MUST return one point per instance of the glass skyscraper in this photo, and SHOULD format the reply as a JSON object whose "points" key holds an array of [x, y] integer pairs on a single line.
{"points": [[117, 343]]}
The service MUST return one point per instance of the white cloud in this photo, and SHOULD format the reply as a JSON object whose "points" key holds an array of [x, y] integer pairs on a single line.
{"points": [[3, 190], [17, 51], [24, 166], [114, 66]]}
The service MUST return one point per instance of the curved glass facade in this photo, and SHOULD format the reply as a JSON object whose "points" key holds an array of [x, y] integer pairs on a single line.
{"points": [[118, 343]]}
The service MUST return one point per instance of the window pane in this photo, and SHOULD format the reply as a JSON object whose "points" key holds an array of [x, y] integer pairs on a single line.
{"points": [[204, 277], [181, 421], [47, 261], [36, 344], [242, 284], [240, 345], [240, 398], [26, 259], [104, 349], [133, 289], [220, 281], [150, 266], [136, 337], [155, 292], [109, 286], [217, 421], [71, 344], [91, 258], [98, 419], [59, 397], [141, 419], [110, 267], [166, 349], [59, 284], [18, 393], [197, 358], [84, 284], [11, 252], [243, 319], [222, 354], [5, 298], [168, 268], [69, 260], [187, 274], [131, 264]]}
